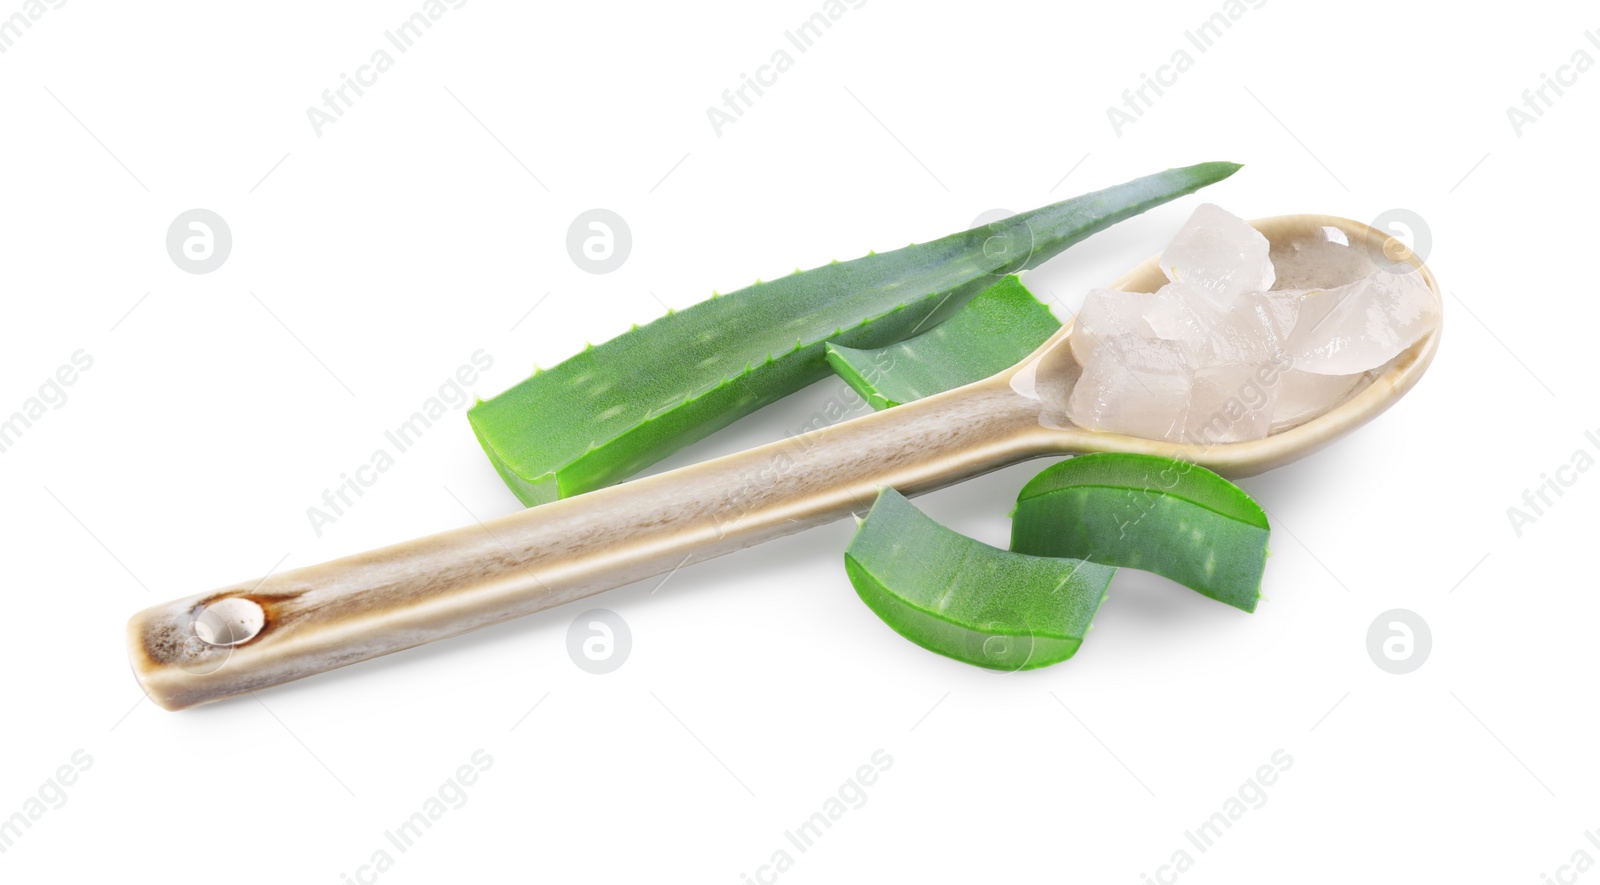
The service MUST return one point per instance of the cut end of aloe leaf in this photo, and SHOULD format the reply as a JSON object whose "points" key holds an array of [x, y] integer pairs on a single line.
{"points": [[531, 492], [966, 600], [1173, 518]]}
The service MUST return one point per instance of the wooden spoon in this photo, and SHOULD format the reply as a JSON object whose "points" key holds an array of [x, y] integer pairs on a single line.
{"points": [[257, 634]]}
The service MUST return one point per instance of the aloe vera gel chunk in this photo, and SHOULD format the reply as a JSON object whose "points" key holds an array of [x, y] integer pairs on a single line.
{"points": [[1231, 349]]}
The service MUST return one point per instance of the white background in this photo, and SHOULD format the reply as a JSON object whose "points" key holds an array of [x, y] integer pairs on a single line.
{"points": [[370, 262]]}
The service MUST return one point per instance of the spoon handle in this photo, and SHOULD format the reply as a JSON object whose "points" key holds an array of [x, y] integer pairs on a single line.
{"points": [[261, 633]]}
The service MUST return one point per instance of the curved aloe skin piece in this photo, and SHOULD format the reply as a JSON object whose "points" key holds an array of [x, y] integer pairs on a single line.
{"points": [[965, 599], [994, 331], [619, 407], [1074, 524], [1173, 518]]}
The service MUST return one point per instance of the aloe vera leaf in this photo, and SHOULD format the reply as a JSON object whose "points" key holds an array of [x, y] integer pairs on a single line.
{"points": [[966, 600], [619, 407], [991, 333], [1173, 518]]}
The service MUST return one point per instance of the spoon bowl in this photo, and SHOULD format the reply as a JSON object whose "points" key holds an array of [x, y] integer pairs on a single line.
{"points": [[266, 631], [1308, 251]]}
